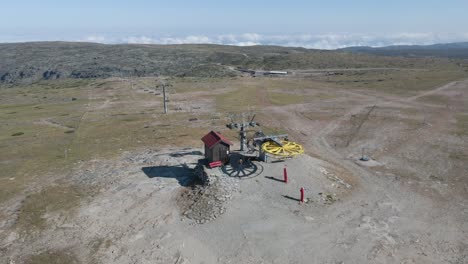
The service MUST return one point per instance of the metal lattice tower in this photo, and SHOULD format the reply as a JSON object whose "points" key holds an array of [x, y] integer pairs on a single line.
{"points": [[242, 127]]}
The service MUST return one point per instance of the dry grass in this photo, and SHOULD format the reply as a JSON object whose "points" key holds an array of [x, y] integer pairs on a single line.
{"points": [[462, 125], [397, 82], [253, 94], [50, 200], [435, 99], [322, 116], [285, 98], [83, 129], [108, 117], [53, 257], [458, 155]]}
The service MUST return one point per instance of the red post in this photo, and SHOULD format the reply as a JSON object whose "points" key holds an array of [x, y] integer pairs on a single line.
{"points": [[302, 194], [285, 174]]}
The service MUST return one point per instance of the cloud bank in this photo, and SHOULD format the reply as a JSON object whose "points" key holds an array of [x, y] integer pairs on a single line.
{"points": [[312, 41], [320, 41]]}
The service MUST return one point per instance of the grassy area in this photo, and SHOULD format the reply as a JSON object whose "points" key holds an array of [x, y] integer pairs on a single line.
{"points": [[41, 136], [458, 155], [435, 99], [462, 125], [399, 82], [323, 116], [192, 84], [39, 149], [53, 257], [285, 98], [50, 200], [44, 92], [38, 146], [38, 138], [242, 99], [246, 94]]}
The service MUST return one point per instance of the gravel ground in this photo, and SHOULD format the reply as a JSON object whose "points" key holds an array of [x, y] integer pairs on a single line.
{"points": [[149, 208]]}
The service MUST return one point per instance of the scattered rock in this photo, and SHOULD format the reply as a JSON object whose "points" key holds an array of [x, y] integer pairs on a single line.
{"points": [[203, 203], [328, 198], [51, 75]]}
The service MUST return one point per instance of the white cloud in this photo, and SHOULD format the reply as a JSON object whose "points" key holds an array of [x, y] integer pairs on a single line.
{"points": [[139, 40], [183, 40], [318, 41], [93, 38]]}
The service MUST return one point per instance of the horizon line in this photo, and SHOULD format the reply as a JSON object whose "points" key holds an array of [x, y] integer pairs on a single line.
{"points": [[234, 45]]}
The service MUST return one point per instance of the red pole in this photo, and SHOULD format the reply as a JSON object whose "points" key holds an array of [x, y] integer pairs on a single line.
{"points": [[285, 174], [302, 194]]}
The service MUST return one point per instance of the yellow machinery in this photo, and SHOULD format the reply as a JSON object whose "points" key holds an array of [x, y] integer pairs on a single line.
{"points": [[283, 150], [276, 146]]}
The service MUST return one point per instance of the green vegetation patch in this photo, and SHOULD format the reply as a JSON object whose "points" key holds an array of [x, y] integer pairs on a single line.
{"points": [[256, 93], [324, 96], [285, 98], [53, 257], [322, 116], [96, 244], [399, 82], [462, 125], [410, 111], [435, 99], [237, 100], [458, 155]]}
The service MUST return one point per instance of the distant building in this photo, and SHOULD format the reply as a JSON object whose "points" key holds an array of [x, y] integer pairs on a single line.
{"points": [[277, 72], [262, 73], [270, 73], [217, 147]]}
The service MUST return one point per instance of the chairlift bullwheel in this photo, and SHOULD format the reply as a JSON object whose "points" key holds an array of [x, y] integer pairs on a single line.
{"points": [[288, 148]]}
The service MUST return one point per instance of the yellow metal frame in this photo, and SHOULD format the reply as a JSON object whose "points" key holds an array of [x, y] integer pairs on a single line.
{"points": [[289, 149]]}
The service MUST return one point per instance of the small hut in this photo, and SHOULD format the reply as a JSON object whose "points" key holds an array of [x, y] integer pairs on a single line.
{"points": [[216, 147]]}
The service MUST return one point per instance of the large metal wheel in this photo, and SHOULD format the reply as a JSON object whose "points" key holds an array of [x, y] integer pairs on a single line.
{"points": [[241, 167], [288, 148]]}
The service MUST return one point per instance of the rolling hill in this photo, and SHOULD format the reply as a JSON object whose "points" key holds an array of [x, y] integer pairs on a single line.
{"points": [[33, 61], [451, 50]]}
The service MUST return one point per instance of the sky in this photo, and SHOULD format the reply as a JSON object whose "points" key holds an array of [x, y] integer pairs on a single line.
{"points": [[312, 24]]}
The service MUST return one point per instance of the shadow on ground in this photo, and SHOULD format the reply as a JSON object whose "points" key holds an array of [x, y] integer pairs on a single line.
{"points": [[186, 153], [291, 198], [242, 167], [182, 173], [274, 179]]}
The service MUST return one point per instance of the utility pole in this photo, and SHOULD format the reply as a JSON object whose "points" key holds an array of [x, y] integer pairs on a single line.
{"points": [[165, 99], [164, 85]]}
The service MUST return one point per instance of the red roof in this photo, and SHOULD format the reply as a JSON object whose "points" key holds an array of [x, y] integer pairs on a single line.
{"points": [[214, 138]]}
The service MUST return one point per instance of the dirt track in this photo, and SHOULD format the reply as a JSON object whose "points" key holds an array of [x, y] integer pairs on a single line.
{"points": [[410, 206]]}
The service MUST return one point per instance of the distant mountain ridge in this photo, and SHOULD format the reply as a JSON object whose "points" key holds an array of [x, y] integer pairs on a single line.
{"points": [[33, 61], [457, 50]]}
